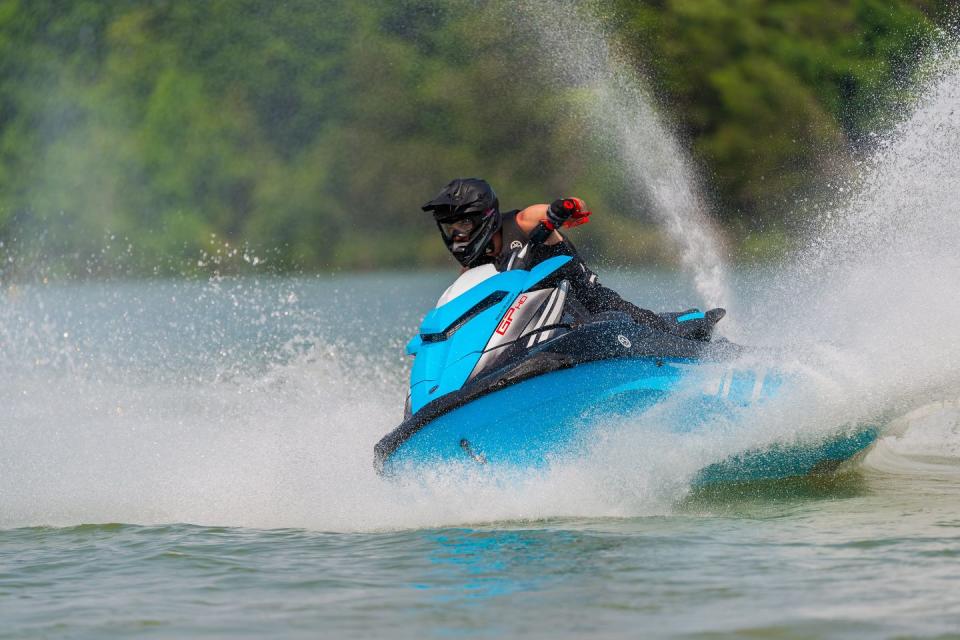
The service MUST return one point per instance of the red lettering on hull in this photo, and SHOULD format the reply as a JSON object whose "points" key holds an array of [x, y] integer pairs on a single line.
{"points": [[508, 317]]}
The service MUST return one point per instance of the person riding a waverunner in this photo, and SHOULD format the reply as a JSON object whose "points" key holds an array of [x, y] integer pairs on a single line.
{"points": [[467, 211]]}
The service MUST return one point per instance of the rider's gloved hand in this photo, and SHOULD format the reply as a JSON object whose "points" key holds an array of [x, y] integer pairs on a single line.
{"points": [[567, 212]]}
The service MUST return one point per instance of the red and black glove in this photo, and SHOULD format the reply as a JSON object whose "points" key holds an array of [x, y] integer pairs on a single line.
{"points": [[566, 212]]}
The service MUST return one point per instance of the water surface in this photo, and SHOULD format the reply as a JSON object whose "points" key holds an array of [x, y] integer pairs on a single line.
{"points": [[193, 459]]}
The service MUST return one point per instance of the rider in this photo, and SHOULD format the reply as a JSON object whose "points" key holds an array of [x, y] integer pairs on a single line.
{"points": [[468, 214]]}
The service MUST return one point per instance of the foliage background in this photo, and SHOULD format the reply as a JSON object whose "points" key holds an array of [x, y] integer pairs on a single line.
{"points": [[144, 135]]}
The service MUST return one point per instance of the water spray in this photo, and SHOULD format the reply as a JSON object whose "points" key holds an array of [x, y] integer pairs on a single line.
{"points": [[622, 106]]}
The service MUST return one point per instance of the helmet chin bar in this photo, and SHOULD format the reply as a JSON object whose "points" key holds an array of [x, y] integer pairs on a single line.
{"points": [[470, 259]]}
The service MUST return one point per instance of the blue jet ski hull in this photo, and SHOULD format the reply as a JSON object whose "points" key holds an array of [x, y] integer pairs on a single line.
{"points": [[527, 426]]}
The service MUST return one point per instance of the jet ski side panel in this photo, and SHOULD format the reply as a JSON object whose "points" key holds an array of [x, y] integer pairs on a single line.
{"points": [[523, 425]]}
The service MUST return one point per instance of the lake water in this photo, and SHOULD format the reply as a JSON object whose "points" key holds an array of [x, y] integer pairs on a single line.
{"points": [[194, 459]]}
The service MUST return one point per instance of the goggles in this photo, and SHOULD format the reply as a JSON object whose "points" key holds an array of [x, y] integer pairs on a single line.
{"points": [[462, 229]]}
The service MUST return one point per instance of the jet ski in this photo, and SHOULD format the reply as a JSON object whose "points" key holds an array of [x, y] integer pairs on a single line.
{"points": [[510, 370]]}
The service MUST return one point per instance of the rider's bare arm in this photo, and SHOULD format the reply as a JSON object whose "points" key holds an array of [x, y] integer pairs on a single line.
{"points": [[529, 218]]}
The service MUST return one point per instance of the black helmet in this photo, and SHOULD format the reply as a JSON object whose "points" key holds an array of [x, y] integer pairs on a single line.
{"points": [[468, 214]]}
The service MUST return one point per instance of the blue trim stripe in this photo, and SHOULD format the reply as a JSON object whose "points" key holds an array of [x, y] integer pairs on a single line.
{"points": [[696, 315]]}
